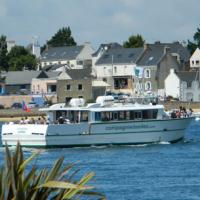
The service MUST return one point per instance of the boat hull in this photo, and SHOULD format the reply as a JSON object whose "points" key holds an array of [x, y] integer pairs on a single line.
{"points": [[115, 133]]}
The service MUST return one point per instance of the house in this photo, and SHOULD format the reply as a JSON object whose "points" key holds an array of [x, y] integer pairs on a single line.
{"points": [[116, 66], [78, 83], [45, 83], [195, 59], [156, 62], [75, 57], [17, 82], [99, 52], [184, 85]]}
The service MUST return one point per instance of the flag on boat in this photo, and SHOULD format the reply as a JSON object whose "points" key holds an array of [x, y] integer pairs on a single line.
{"points": [[24, 107], [138, 72]]}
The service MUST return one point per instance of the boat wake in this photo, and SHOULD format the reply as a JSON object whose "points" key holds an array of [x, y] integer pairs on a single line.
{"points": [[164, 143]]}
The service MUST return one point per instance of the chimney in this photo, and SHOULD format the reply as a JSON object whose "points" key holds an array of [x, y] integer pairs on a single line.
{"points": [[157, 42], [146, 46], [166, 49]]}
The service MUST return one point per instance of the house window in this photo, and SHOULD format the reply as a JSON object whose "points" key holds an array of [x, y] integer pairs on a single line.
{"points": [[121, 83], [33, 88], [147, 73], [68, 87], [125, 70], [197, 62], [192, 62], [148, 86], [105, 80], [104, 70], [79, 62], [137, 87], [80, 87], [115, 69]]}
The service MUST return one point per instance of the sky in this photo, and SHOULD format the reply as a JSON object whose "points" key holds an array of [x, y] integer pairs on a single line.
{"points": [[99, 21]]}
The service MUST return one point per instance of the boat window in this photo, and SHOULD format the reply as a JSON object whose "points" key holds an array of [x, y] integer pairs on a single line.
{"points": [[132, 115], [138, 114], [155, 113], [60, 114], [105, 116], [146, 114], [97, 116], [121, 115], [127, 114], [115, 115], [149, 114], [84, 116]]}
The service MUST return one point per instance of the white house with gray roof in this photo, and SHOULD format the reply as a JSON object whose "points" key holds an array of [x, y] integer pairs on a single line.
{"points": [[116, 67], [195, 59], [74, 57], [184, 85]]}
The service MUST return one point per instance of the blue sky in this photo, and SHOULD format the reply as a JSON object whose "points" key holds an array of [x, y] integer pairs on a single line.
{"points": [[99, 21]]}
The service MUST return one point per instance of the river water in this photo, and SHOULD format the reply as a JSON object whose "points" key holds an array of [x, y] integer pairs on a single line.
{"points": [[146, 172]]}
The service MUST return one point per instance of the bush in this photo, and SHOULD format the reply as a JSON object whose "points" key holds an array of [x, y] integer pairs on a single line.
{"points": [[16, 182]]}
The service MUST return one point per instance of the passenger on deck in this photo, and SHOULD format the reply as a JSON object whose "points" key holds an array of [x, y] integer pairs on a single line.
{"points": [[38, 120], [22, 121], [61, 120], [26, 121], [173, 114], [32, 121]]}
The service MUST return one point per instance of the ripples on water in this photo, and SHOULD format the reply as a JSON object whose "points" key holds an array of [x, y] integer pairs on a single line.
{"points": [[158, 171]]}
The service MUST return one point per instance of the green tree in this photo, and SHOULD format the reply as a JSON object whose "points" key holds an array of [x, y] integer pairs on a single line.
{"points": [[19, 58], [63, 37], [3, 54], [196, 43], [134, 41]]}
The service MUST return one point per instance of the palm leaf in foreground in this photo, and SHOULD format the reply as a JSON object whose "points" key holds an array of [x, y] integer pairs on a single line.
{"points": [[18, 182]]}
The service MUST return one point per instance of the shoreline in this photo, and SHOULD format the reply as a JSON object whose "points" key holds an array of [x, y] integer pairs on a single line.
{"points": [[7, 115]]}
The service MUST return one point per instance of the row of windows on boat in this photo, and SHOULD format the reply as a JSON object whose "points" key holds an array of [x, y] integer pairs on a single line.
{"points": [[82, 116]]}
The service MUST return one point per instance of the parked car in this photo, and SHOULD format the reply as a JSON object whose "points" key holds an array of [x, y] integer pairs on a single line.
{"points": [[16, 105], [32, 105], [2, 106]]}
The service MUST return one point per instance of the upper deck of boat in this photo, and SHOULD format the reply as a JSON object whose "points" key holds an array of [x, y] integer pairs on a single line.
{"points": [[95, 107]]}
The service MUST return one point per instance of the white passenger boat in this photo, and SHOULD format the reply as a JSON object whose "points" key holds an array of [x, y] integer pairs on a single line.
{"points": [[98, 124]]}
